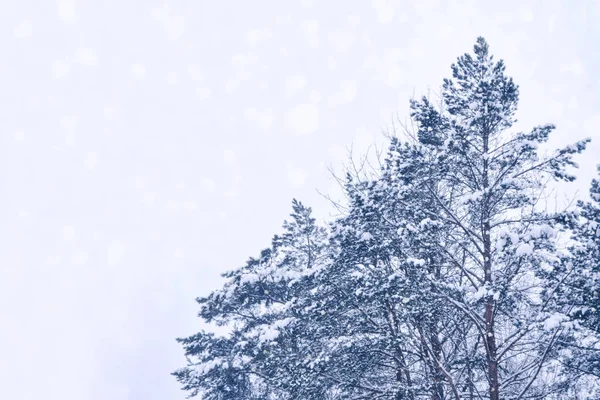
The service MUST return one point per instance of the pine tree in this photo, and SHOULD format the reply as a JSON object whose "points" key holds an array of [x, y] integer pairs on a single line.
{"points": [[492, 184], [586, 259], [264, 306], [575, 290], [383, 317]]}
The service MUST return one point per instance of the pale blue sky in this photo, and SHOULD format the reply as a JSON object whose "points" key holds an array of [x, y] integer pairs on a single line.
{"points": [[147, 146]]}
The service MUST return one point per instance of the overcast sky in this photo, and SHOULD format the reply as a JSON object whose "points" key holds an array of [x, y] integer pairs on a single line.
{"points": [[148, 146]]}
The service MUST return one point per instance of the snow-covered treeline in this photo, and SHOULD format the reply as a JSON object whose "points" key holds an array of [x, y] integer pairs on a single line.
{"points": [[446, 277]]}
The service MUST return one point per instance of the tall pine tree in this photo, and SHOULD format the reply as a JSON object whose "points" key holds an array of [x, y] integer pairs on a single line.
{"points": [[492, 182], [574, 290]]}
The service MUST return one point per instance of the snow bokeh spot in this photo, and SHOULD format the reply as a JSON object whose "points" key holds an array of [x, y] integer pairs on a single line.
{"points": [[208, 184], [195, 73], [311, 31], [385, 11], [303, 119], [19, 136], [80, 258], [263, 118], [90, 160], [354, 20], [66, 11], [190, 206], [69, 233], [60, 69], [178, 254], [574, 67], [527, 15], [229, 157], [149, 199], [342, 40], [115, 252], [294, 84], [86, 57], [345, 95], [203, 93], [296, 177], [68, 124], [174, 25], [23, 31], [172, 78], [315, 97], [138, 71], [231, 85], [256, 36]]}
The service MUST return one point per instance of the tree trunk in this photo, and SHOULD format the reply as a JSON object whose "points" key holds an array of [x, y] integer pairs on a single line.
{"points": [[490, 336], [436, 347], [403, 378]]}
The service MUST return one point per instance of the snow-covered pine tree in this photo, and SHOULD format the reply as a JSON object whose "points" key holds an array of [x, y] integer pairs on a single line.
{"points": [[493, 180], [575, 289], [386, 330], [264, 307]]}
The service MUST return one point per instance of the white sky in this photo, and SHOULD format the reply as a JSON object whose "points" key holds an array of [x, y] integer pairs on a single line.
{"points": [[147, 146]]}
